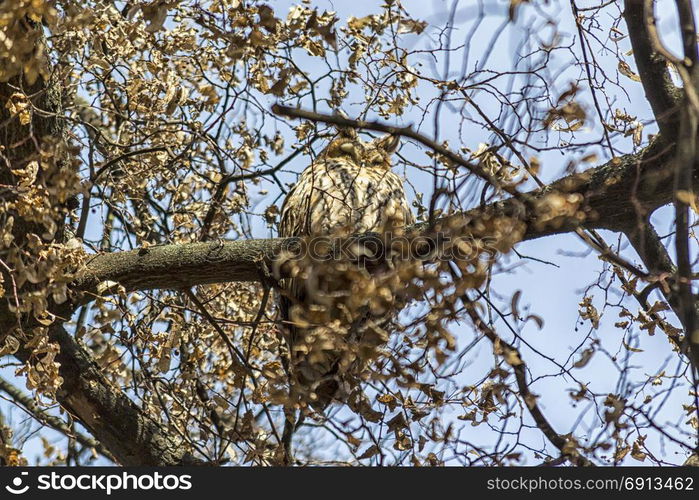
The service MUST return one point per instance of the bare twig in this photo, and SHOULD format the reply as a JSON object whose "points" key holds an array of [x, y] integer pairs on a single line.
{"points": [[565, 445], [402, 131], [28, 404]]}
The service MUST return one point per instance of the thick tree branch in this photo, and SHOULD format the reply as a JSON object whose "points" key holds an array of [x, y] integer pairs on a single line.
{"points": [[663, 96], [685, 164], [176, 266], [122, 427], [56, 423], [613, 196]]}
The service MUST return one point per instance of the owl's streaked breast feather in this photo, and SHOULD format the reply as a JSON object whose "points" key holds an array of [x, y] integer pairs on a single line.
{"points": [[335, 194]]}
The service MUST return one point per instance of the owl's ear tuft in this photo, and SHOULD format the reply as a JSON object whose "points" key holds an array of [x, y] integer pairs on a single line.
{"points": [[388, 143]]}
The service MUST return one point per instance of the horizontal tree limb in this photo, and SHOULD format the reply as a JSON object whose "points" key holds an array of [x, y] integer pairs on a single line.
{"points": [[616, 196]]}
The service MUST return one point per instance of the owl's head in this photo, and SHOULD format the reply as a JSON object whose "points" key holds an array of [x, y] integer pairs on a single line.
{"points": [[346, 145], [377, 153]]}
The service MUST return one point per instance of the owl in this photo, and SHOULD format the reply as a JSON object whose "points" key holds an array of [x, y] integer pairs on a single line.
{"points": [[325, 310]]}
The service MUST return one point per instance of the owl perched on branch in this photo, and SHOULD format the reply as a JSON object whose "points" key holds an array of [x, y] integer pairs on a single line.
{"points": [[332, 310]]}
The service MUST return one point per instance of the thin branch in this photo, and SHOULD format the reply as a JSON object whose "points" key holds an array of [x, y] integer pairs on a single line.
{"points": [[52, 421], [565, 445], [236, 354], [402, 131]]}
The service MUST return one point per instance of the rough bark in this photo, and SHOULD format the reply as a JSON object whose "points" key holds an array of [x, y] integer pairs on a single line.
{"points": [[662, 95], [130, 435], [615, 196]]}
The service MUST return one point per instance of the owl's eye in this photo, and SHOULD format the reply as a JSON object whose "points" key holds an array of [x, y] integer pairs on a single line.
{"points": [[347, 148], [376, 159]]}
